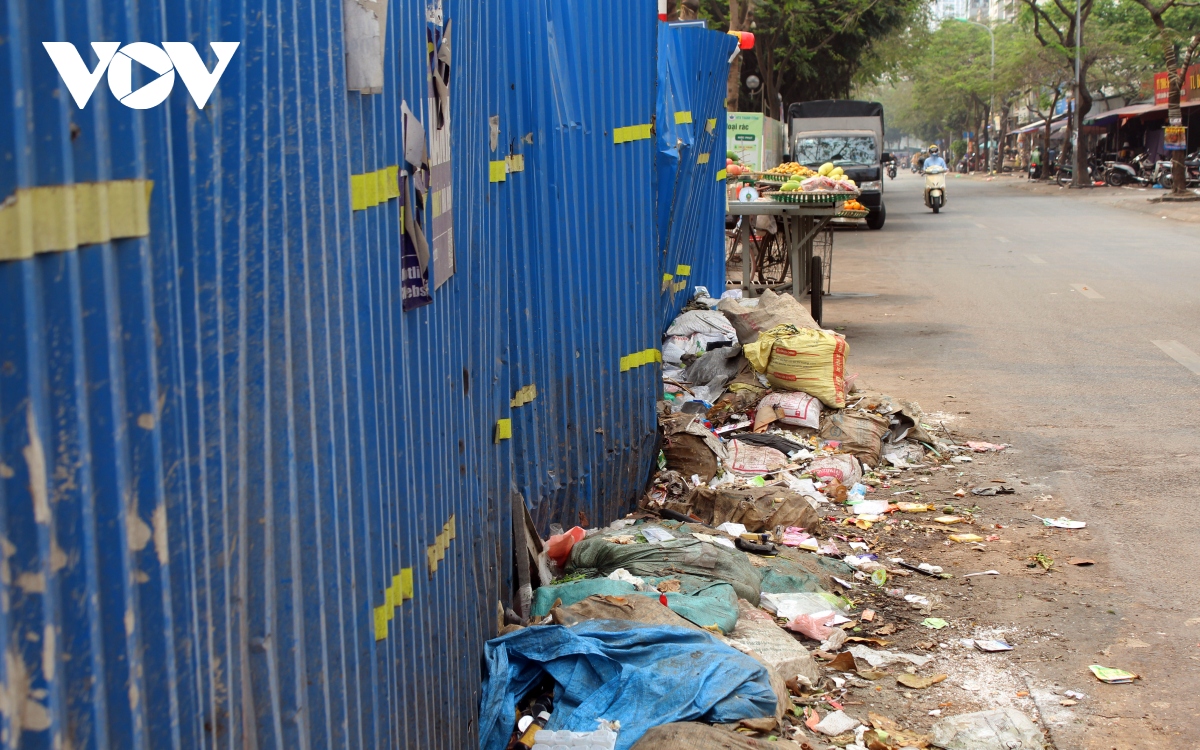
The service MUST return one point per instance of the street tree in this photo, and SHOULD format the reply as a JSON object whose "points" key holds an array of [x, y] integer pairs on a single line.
{"points": [[806, 49], [1059, 28], [1177, 25]]}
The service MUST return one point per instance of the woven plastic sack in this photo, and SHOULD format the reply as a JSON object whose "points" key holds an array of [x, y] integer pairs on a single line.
{"points": [[597, 556], [802, 359], [769, 311]]}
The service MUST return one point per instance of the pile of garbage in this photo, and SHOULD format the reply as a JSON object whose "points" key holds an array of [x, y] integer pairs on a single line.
{"points": [[729, 610]]}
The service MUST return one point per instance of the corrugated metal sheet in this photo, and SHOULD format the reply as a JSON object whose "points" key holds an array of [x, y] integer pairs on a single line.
{"points": [[693, 65], [580, 221], [245, 500]]}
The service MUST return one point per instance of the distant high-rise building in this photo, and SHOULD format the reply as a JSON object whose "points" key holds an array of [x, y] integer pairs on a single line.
{"points": [[980, 11], [944, 9]]}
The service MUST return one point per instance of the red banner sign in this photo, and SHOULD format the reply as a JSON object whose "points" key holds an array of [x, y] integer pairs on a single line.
{"points": [[1190, 92]]}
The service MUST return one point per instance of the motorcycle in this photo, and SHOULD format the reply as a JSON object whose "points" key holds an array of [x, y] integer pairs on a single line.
{"points": [[1191, 170], [891, 169], [1066, 172], [935, 188], [1139, 172]]}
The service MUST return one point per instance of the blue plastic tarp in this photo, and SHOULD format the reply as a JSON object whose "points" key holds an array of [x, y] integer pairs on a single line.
{"points": [[606, 669]]}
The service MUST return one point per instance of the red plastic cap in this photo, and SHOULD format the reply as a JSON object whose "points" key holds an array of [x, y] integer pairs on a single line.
{"points": [[745, 39]]}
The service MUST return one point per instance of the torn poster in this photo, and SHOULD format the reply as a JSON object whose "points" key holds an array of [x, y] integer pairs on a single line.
{"points": [[438, 38], [364, 36], [414, 248]]}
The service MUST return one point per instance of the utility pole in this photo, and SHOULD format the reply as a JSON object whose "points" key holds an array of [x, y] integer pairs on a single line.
{"points": [[1080, 168], [991, 91]]}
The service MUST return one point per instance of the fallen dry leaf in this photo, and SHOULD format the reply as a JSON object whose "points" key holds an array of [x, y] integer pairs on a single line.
{"points": [[918, 682], [671, 586], [886, 629], [844, 662]]}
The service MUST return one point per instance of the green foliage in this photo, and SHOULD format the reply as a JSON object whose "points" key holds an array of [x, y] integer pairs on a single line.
{"points": [[813, 49]]}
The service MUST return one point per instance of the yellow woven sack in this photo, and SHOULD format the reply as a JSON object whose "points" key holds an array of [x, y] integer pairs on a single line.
{"points": [[802, 359]]}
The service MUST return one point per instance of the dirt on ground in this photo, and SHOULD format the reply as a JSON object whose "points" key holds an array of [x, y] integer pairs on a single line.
{"points": [[1044, 591]]}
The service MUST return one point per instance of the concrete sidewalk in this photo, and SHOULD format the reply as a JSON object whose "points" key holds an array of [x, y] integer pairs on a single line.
{"points": [[1128, 198]]}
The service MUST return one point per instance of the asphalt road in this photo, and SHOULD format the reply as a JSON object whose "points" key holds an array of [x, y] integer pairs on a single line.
{"points": [[1068, 329]]}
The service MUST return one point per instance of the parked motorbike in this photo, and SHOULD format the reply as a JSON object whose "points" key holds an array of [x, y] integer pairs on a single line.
{"points": [[1191, 168], [891, 169], [1066, 172], [935, 188], [1139, 172]]}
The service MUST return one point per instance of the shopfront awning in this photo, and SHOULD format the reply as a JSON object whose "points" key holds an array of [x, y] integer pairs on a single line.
{"points": [[1059, 123], [1109, 117], [1133, 110]]}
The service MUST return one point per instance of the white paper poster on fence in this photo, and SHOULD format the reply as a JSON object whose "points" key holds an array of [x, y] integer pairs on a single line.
{"points": [[440, 189]]}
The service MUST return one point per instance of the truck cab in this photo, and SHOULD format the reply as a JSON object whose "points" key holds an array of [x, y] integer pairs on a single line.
{"points": [[850, 135]]}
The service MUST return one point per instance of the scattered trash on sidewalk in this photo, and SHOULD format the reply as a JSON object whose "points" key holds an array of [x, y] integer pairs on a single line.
{"points": [[755, 583], [1062, 522], [981, 447], [918, 682], [1002, 729], [837, 723], [1113, 676]]}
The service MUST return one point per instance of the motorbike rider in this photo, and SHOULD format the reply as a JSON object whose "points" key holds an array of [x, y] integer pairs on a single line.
{"points": [[934, 159]]}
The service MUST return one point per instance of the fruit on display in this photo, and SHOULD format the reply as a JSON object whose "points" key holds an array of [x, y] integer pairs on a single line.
{"points": [[853, 205], [791, 169]]}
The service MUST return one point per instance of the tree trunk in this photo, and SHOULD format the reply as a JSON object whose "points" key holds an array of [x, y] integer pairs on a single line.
{"points": [[741, 13], [1174, 114], [1046, 135]]}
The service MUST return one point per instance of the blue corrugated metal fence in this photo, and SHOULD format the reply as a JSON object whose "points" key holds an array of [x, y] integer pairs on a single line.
{"points": [[693, 66], [246, 499]]}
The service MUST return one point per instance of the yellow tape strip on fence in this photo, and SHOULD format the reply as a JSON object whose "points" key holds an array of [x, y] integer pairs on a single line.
{"points": [[503, 429], [399, 592], [497, 171], [64, 217], [631, 133], [372, 188], [682, 270], [637, 359], [524, 395], [711, 125], [702, 158], [721, 175], [682, 118]]}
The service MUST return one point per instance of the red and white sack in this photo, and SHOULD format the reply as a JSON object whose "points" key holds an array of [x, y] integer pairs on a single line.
{"points": [[797, 409], [842, 467], [746, 458]]}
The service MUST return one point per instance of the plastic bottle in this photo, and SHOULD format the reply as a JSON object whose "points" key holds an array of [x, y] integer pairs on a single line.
{"points": [[540, 710]]}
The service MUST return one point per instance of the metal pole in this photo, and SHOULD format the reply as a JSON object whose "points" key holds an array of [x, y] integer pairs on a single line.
{"points": [[991, 93], [1080, 164]]}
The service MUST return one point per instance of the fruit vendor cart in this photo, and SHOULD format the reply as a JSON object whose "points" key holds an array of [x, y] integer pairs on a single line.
{"points": [[804, 233]]}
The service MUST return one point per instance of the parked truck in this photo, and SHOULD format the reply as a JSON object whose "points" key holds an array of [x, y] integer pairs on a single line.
{"points": [[849, 134]]}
